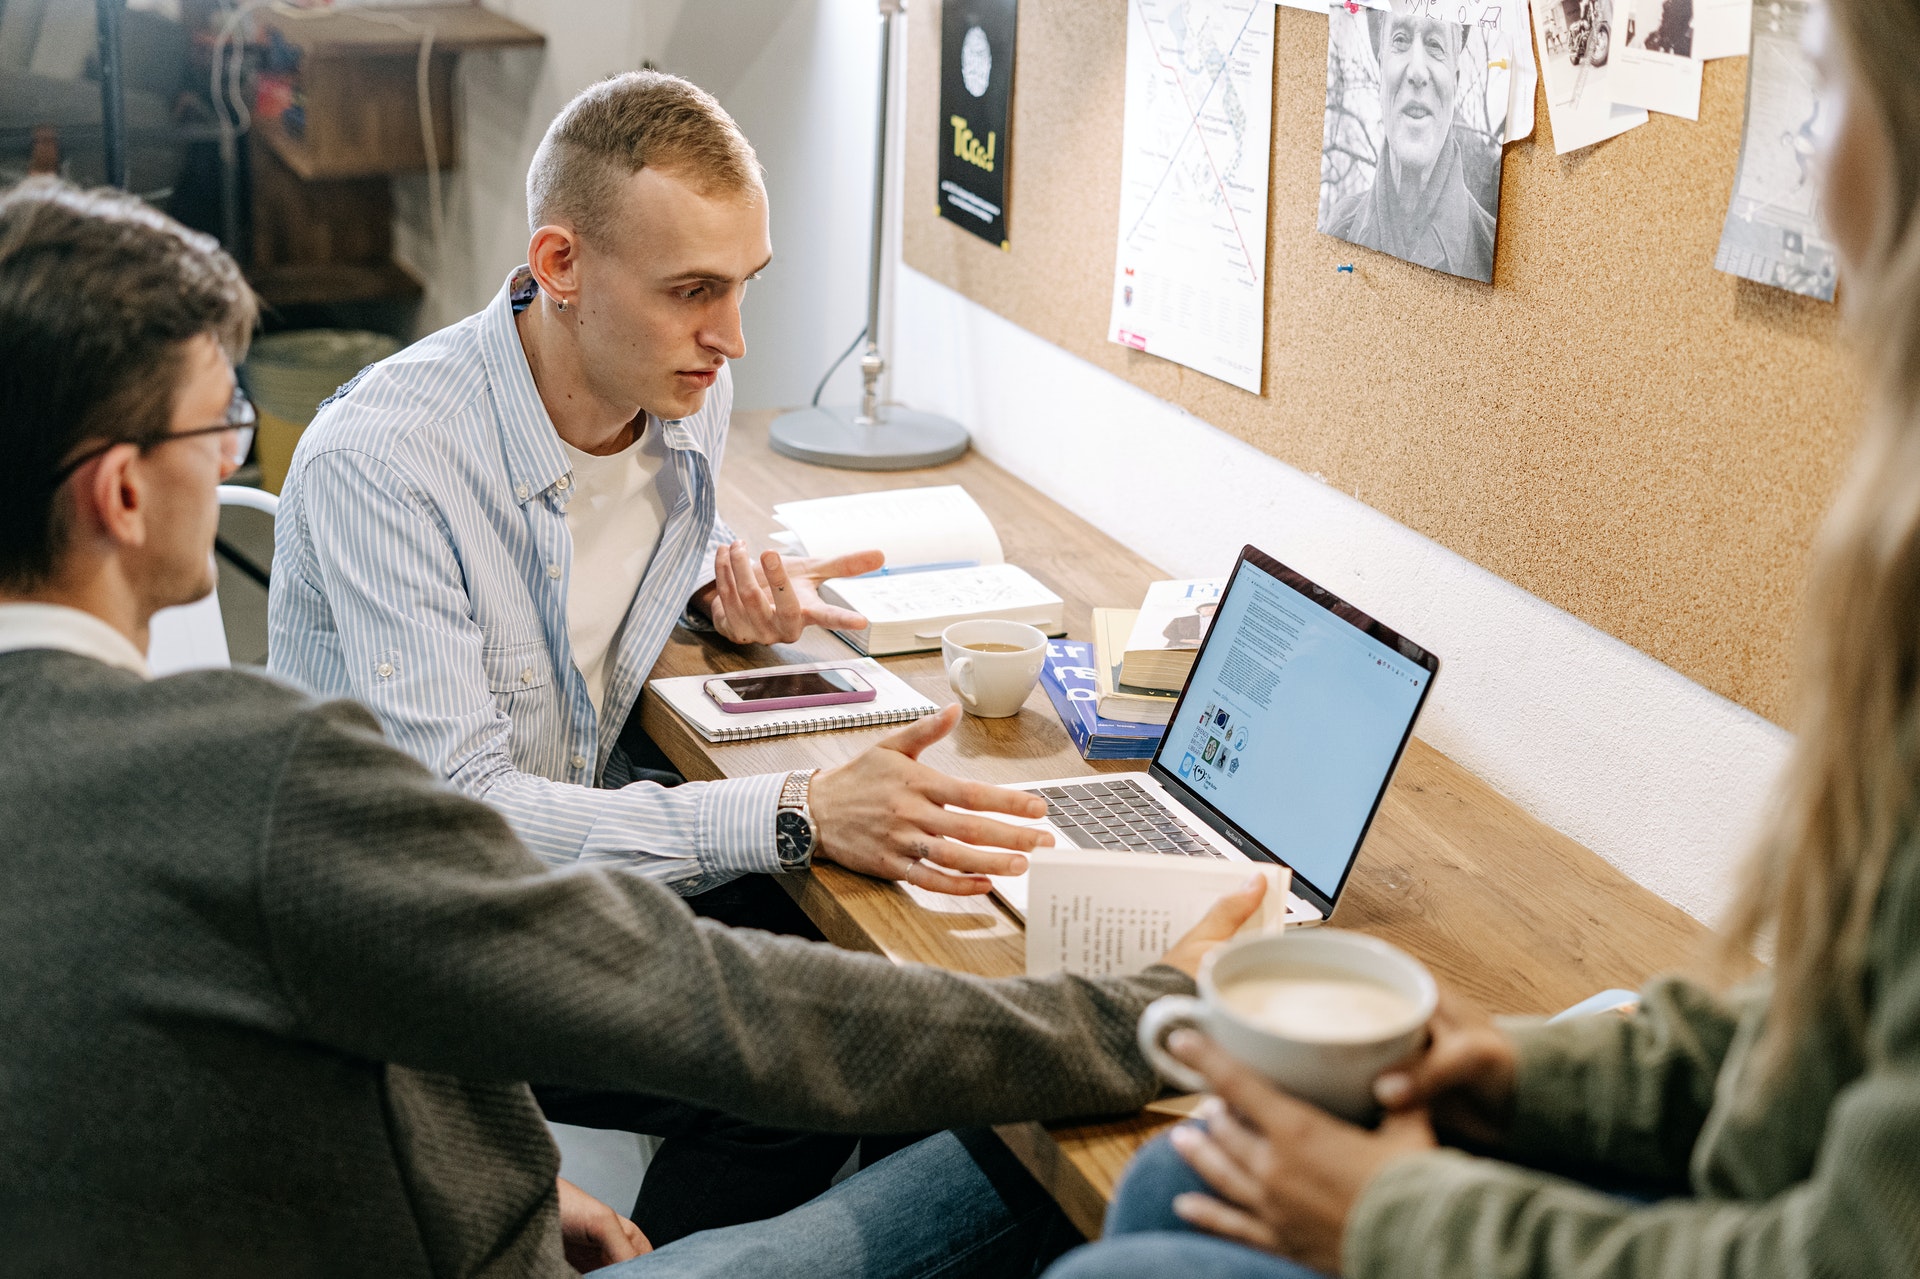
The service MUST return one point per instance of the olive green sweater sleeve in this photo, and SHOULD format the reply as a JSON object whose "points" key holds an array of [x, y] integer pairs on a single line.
{"points": [[1819, 1177], [1625, 1094]]}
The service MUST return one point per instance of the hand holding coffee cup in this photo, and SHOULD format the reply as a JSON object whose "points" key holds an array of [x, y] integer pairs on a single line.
{"points": [[1464, 1079], [1320, 1013], [992, 665]]}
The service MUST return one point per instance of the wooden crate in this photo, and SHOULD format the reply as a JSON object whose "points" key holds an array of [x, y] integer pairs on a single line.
{"points": [[328, 240], [363, 116], [360, 88]]}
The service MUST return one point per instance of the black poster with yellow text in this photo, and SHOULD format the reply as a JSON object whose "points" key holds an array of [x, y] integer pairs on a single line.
{"points": [[976, 109]]}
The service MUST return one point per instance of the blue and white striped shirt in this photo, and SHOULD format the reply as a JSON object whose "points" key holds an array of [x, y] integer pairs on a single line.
{"points": [[421, 563]]}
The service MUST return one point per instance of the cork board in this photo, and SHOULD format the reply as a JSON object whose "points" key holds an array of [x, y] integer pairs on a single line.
{"points": [[1612, 425]]}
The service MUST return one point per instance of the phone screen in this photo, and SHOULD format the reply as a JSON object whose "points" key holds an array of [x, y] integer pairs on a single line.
{"points": [[761, 688]]}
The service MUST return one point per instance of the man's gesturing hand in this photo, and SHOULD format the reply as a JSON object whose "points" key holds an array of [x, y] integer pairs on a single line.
{"points": [[884, 813], [771, 599]]}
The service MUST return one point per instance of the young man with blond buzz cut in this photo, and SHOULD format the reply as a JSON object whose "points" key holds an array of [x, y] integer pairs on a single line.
{"points": [[487, 539]]}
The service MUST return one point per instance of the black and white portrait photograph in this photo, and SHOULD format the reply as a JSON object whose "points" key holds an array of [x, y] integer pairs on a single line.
{"points": [[1416, 117]]}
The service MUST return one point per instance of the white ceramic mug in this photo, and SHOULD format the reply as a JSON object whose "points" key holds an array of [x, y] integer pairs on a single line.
{"points": [[1336, 1074], [992, 685]]}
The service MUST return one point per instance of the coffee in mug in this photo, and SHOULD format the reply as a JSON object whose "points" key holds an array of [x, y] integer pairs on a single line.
{"points": [[1327, 1008], [992, 665], [1320, 1012]]}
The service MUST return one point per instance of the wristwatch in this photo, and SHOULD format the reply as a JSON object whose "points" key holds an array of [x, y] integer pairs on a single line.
{"points": [[794, 834]]}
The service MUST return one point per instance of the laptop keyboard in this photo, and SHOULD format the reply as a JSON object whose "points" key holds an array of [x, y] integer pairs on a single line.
{"points": [[1120, 815]]}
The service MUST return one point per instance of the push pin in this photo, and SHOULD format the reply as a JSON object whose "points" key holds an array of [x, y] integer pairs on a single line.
{"points": [[1346, 269]]}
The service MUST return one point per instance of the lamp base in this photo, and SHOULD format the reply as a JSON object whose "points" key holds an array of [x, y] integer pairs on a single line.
{"points": [[902, 440]]}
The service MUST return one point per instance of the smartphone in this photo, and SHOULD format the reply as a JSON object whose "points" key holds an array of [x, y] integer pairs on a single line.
{"points": [[788, 690]]}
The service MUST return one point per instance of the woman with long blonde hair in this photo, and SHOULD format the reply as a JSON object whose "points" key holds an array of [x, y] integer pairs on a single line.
{"points": [[1773, 1130]]}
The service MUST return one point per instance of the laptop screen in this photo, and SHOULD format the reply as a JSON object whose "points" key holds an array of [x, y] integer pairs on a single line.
{"points": [[1296, 711]]}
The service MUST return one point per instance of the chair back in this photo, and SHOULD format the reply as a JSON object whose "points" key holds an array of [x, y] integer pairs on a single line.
{"points": [[193, 637]]}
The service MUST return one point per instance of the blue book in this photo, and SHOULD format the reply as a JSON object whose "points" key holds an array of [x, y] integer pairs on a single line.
{"points": [[1068, 677]]}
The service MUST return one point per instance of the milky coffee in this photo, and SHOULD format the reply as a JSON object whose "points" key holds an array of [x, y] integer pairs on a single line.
{"points": [[1312, 1006]]}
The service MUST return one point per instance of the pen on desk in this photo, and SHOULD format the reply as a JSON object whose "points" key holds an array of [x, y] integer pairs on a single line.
{"points": [[922, 568]]}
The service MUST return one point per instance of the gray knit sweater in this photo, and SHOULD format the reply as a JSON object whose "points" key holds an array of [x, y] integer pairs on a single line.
{"points": [[266, 988]]}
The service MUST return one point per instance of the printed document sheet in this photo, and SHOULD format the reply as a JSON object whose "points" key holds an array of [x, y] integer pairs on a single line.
{"points": [[1189, 276]]}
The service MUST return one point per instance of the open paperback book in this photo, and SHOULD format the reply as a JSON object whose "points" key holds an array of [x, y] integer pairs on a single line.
{"points": [[908, 612], [944, 565], [1100, 914], [917, 529]]}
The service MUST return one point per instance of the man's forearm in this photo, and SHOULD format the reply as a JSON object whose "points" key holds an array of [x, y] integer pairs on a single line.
{"points": [[688, 838]]}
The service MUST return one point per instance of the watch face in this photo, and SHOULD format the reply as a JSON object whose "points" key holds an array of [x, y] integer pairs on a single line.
{"points": [[793, 836]]}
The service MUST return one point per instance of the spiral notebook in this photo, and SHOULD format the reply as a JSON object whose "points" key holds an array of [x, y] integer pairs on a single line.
{"points": [[894, 702]]}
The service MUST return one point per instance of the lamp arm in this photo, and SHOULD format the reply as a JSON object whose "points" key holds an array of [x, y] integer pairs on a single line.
{"points": [[872, 364]]}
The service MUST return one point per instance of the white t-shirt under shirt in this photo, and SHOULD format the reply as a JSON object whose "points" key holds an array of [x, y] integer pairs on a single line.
{"points": [[615, 516]]}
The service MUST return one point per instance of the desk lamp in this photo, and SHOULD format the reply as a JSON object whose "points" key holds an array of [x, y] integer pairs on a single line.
{"points": [[871, 436]]}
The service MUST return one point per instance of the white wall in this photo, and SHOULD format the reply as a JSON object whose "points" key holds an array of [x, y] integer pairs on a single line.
{"points": [[1650, 770], [807, 103], [505, 100]]}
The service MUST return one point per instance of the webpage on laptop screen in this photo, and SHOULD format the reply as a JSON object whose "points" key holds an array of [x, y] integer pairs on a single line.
{"points": [[1290, 722]]}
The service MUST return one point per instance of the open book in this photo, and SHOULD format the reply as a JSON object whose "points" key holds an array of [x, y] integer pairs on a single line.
{"points": [[1097, 914], [944, 565], [916, 528], [906, 613]]}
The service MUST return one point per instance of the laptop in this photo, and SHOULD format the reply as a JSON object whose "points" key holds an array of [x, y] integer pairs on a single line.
{"points": [[1286, 734]]}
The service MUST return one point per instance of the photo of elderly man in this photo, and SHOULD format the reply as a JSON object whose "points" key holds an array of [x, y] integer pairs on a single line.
{"points": [[1416, 115]]}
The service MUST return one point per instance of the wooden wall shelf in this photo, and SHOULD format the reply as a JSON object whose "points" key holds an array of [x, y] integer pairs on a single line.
{"points": [[359, 85], [323, 208]]}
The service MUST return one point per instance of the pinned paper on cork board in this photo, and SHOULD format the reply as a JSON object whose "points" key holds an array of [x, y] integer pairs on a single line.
{"points": [[976, 115], [1773, 234], [1416, 122]]}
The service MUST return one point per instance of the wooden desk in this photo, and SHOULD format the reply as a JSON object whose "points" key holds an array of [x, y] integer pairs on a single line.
{"points": [[1497, 904]]}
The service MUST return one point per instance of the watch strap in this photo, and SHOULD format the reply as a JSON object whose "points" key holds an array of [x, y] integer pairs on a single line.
{"points": [[793, 791]]}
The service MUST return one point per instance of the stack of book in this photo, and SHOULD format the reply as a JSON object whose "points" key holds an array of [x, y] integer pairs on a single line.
{"points": [[1070, 678], [1165, 636], [1116, 694]]}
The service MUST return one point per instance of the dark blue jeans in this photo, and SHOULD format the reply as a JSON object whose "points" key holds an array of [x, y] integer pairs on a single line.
{"points": [[1144, 1240], [955, 1206]]}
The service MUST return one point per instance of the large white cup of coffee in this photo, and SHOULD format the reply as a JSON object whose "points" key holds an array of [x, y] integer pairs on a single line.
{"points": [[1320, 1012], [992, 665]]}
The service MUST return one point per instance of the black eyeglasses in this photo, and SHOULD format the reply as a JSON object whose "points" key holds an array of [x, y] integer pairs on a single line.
{"points": [[237, 433]]}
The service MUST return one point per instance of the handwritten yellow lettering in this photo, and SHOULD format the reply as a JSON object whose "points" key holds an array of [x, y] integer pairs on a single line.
{"points": [[966, 144]]}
